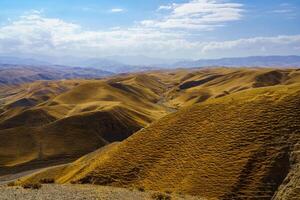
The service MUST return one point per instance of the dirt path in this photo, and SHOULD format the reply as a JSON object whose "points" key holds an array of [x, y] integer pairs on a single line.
{"points": [[162, 102], [13, 177]]}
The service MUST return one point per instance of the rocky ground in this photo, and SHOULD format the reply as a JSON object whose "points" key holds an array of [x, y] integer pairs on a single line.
{"points": [[80, 192]]}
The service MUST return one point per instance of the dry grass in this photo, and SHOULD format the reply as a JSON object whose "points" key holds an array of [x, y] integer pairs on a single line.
{"points": [[161, 196], [237, 146], [47, 181], [90, 113], [34, 186]]}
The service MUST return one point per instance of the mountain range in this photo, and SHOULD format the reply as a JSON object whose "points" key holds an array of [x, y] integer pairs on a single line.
{"points": [[127, 64], [11, 74]]}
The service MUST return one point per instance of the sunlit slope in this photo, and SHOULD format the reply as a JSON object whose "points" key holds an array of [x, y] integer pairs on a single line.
{"points": [[24, 100], [188, 87], [239, 146]]}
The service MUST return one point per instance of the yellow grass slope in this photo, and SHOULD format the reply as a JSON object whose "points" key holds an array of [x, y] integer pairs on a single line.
{"points": [[243, 145], [75, 120], [191, 87]]}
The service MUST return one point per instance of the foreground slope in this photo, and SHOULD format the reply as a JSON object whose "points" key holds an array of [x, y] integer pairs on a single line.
{"points": [[244, 145]]}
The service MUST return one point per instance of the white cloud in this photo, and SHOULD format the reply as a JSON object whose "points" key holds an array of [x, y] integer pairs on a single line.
{"points": [[36, 34], [286, 10], [117, 10], [255, 46], [168, 7], [197, 14], [37, 12], [283, 11]]}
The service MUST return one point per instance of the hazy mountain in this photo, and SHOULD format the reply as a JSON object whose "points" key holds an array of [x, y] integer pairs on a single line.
{"points": [[114, 66], [127, 64], [17, 74], [142, 60], [268, 61]]}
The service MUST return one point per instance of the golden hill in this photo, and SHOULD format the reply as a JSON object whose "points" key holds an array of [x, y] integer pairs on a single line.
{"points": [[59, 120], [190, 87], [241, 146], [72, 118]]}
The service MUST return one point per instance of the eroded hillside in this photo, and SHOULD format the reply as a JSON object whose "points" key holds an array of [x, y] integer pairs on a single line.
{"points": [[72, 118], [67, 119]]}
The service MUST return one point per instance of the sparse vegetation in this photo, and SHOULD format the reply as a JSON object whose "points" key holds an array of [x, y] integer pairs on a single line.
{"points": [[141, 189], [11, 184], [35, 186], [47, 181], [161, 196]]}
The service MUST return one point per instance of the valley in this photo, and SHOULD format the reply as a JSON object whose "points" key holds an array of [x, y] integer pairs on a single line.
{"points": [[210, 133]]}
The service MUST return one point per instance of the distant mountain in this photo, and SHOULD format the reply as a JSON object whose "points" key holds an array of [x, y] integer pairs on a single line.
{"points": [[267, 61], [139, 60], [21, 61], [129, 64], [114, 66], [117, 64], [18, 74]]}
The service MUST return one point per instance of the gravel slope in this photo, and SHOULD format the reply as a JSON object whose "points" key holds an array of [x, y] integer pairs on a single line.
{"points": [[78, 192]]}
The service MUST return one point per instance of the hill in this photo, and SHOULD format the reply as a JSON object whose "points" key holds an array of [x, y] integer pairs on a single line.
{"points": [[67, 119], [188, 87], [240, 146]]}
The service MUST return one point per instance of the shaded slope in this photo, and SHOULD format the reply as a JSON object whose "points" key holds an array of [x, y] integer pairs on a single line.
{"points": [[30, 118], [238, 146], [71, 136]]}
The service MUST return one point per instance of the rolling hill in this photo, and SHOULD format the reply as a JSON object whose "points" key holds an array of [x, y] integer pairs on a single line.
{"points": [[67, 119], [70, 118], [239, 146]]}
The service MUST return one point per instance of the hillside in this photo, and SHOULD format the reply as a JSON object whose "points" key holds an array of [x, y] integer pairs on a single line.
{"points": [[240, 146], [68, 119], [188, 87]]}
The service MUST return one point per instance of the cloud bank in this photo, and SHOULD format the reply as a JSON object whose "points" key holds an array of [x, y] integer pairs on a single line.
{"points": [[197, 14]]}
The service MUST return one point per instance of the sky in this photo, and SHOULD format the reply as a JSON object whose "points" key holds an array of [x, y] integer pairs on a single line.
{"points": [[169, 29]]}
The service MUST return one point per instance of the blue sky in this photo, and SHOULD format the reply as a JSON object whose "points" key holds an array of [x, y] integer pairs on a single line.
{"points": [[166, 29]]}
